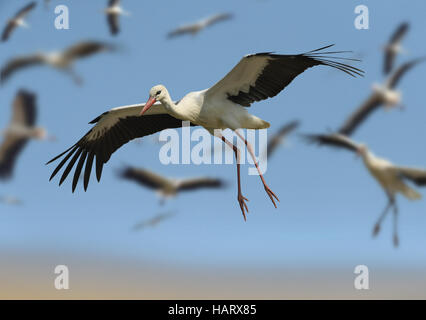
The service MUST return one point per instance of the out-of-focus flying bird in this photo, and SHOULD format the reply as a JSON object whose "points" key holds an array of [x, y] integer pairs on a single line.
{"points": [[62, 60], [278, 138], [113, 12], [392, 178], [195, 28], [393, 47], [168, 187], [20, 130], [17, 21], [256, 77], [153, 222], [10, 200], [382, 95]]}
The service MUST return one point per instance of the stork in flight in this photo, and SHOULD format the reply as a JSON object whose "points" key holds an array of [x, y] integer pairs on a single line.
{"points": [[20, 130], [392, 178], [382, 95], [393, 47], [168, 187], [256, 77], [278, 138], [17, 21], [195, 28], [113, 12], [10, 200], [62, 60]]}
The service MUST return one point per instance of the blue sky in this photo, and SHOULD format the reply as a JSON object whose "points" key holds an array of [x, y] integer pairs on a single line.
{"points": [[329, 202]]}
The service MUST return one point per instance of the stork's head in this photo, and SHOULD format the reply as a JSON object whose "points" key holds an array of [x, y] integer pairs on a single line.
{"points": [[157, 93], [42, 134], [39, 133]]}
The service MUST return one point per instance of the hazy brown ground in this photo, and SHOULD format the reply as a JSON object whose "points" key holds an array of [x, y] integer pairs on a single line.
{"points": [[31, 276]]}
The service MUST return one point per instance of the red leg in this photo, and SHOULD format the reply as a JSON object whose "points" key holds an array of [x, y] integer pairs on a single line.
{"points": [[250, 150], [241, 198]]}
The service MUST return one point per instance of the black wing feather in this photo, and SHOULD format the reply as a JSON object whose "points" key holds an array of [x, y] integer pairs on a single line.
{"points": [[281, 71], [107, 142]]}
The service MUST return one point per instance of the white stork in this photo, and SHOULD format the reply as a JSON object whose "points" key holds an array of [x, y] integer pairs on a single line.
{"points": [[20, 130], [393, 47], [382, 95], [113, 12], [195, 28], [10, 200], [168, 187], [62, 60], [17, 21], [390, 176], [256, 77]]}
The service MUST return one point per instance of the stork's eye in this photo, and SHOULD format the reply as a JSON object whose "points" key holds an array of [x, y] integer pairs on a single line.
{"points": [[158, 92]]}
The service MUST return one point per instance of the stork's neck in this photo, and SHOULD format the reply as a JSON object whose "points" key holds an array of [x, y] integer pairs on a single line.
{"points": [[172, 108], [367, 157]]}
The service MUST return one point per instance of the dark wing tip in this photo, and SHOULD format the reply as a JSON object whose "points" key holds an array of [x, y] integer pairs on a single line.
{"points": [[312, 138]]}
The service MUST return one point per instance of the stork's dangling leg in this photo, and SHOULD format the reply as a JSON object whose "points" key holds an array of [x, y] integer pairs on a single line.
{"points": [[250, 150], [76, 78], [390, 203], [241, 198], [395, 225]]}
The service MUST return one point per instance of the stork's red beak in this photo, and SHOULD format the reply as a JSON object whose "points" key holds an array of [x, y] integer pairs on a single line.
{"points": [[148, 105]]}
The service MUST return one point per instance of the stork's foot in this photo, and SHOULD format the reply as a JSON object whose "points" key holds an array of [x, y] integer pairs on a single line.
{"points": [[376, 230], [395, 241], [243, 205], [271, 195]]}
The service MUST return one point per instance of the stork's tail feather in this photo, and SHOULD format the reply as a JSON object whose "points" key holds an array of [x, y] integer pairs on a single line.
{"points": [[410, 193]]}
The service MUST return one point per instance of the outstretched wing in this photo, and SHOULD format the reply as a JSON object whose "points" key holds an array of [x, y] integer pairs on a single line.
{"points": [[113, 23], [418, 176], [395, 39], [217, 18], [333, 140], [190, 28], [12, 24], [25, 10], [86, 48], [263, 75], [360, 115], [144, 177], [396, 76], [199, 183], [8, 29], [24, 114], [24, 109], [112, 3], [17, 64], [113, 129]]}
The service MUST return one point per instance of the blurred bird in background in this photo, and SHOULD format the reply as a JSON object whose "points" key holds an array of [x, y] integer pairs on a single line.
{"points": [[392, 178], [195, 28], [11, 201], [17, 21], [21, 129], [382, 95], [393, 47], [113, 13], [168, 187], [60, 60]]}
